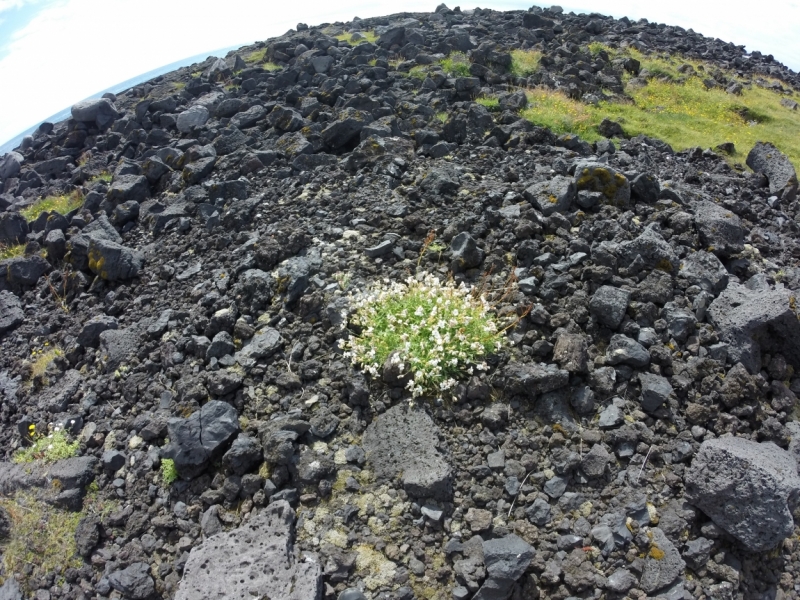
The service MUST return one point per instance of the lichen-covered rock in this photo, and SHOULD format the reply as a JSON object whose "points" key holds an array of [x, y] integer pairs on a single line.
{"points": [[599, 177]]}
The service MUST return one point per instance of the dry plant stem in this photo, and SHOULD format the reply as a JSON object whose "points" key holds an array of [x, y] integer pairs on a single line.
{"points": [[517, 494], [649, 450]]}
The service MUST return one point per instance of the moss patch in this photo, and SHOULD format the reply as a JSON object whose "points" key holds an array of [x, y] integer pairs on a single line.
{"points": [[63, 204]]}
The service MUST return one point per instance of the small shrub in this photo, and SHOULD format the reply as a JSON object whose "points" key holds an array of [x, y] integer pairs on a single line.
{"points": [[456, 65], [436, 332], [41, 360], [169, 474], [47, 448], [63, 204], [524, 62], [11, 251]]}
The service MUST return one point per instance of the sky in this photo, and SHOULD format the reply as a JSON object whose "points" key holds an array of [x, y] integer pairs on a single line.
{"points": [[54, 53]]}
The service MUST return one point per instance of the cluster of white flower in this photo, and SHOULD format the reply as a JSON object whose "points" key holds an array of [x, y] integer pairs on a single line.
{"points": [[435, 332]]}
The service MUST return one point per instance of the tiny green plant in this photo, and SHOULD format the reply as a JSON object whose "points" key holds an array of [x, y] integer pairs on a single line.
{"points": [[63, 204], [361, 38], [41, 359], [47, 448], [456, 64], [491, 104], [343, 279], [169, 473], [432, 332], [11, 251]]}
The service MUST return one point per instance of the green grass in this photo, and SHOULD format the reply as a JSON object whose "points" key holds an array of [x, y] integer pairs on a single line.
{"points": [[105, 177], [42, 538], [434, 332], [491, 104], [524, 62], [178, 86], [368, 36], [11, 251], [63, 204], [677, 109], [456, 65], [169, 474], [47, 448], [40, 360]]}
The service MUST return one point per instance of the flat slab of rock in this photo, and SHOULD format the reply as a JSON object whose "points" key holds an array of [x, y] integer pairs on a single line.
{"points": [[402, 442], [756, 321], [663, 564], [749, 489], [256, 560], [11, 313], [767, 159]]}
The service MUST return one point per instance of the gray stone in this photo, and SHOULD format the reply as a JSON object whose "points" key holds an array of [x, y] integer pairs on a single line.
{"points": [[654, 250], [89, 335], [756, 321], [749, 489], [11, 313], [87, 536], [264, 344], [192, 118], [655, 391], [10, 165], [113, 460], [766, 158], [704, 270], [112, 261], [611, 416], [538, 513], [196, 171], [506, 560], [531, 379], [663, 564], [201, 437], [258, 559], [128, 187], [249, 117], [555, 487], [645, 187], [620, 581], [402, 442], [244, 454], [594, 463], [627, 351], [117, 345], [25, 270], [697, 552], [552, 196], [599, 177], [13, 228], [571, 352], [348, 126], [721, 231], [608, 305], [351, 594], [465, 253], [134, 581], [381, 249]]}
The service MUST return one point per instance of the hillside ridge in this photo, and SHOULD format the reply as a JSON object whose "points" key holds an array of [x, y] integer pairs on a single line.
{"points": [[189, 269]]}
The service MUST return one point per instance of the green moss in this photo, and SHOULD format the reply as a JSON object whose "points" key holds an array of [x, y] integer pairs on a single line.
{"points": [[491, 104], [42, 539], [63, 204], [169, 474]]}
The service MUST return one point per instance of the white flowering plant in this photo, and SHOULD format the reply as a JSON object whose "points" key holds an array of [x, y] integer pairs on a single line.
{"points": [[435, 332]]}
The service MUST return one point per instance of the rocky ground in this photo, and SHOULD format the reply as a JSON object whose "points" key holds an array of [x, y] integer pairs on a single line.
{"points": [[636, 438]]}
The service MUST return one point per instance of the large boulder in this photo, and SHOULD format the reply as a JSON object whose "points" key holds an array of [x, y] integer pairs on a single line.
{"points": [[100, 111], [25, 270], [767, 159], [749, 489], [134, 581], [599, 177], [756, 321], [345, 128], [552, 196], [654, 250], [193, 117], [402, 442], [721, 231], [112, 261], [13, 228], [10, 165], [704, 270], [256, 560], [201, 437]]}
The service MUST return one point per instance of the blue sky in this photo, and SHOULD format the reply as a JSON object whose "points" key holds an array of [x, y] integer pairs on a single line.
{"points": [[54, 53]]}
